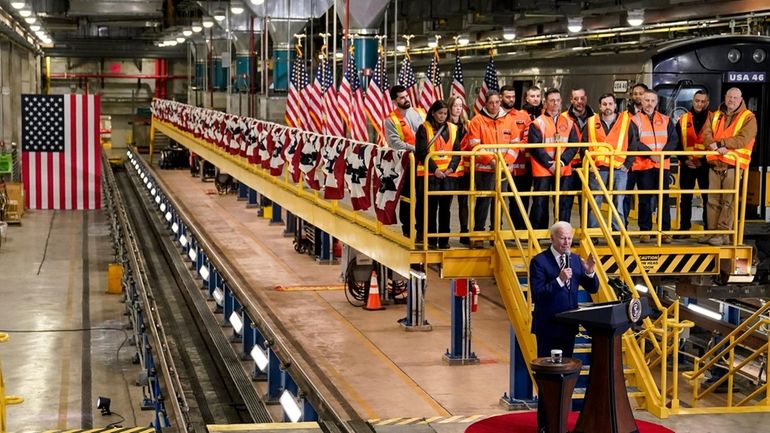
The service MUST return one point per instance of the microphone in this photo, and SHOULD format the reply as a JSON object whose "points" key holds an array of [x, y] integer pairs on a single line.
{"points": [[567, 265]]}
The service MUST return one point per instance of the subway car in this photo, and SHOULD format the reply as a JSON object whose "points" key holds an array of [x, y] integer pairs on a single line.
{"points": [[675, 69]]}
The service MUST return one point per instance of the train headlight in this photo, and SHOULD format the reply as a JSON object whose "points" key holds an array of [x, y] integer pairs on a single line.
{"points": [[734, 55], [759, 55]]}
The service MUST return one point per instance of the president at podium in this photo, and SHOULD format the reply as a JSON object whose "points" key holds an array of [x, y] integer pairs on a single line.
{"points": [[554, 277]]}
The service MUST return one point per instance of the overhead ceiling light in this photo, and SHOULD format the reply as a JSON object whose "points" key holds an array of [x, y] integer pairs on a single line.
{"points": [[463, 40], [338, 55], [219, 14], [34, 27], [18, 5], [219, 297], [575, 24], [171, 43], [192, 254], [187, 32], [183, 240], [204, 272], [236, 7], [168, 216], [175, 227], [25, 13], [401, 48], [207, 22], [180, 39], [162, 207], [635, 17], [509, 33], [197, 26], [257, 2], [642, 288], [432, 44], [30, 20]]}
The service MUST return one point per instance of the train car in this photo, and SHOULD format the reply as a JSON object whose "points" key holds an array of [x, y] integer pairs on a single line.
{"points": [[675, 69]]}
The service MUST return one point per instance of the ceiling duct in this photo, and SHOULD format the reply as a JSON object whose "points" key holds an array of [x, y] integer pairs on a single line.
{"points": [[287, 17], [110, 8], [365, 15]]}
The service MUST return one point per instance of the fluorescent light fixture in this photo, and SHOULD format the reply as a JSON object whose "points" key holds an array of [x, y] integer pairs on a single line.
{"points": [[575, 24], [175, 228], [635, 17], [290, 406], [180, 39], [157, 199], [30, 19], [163, 207], [204, 272], [219, 297], [34, 27], [509, 33], [257, 2], [196, 26], [463, 40], [695, 308], [236, 7], [260, 357], [192, 254], [168, 216], [219, 14], [187, 32], [432, 44], [338, 55], [401, 48], [18, 5], [154, 192], [236, 322], [171, 43], [641, 288], [207, 22], [25, 13], [183, 240], [129, 154]]}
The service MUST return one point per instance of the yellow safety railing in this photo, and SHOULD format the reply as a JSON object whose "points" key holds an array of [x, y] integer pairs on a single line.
{"points": [[5, 400], [723, 356]]}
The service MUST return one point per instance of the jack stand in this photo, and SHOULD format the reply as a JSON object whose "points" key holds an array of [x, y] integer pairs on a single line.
{"points": [[243, 192], [415, 303], [275, 218], [519, 395], [460, 352]]}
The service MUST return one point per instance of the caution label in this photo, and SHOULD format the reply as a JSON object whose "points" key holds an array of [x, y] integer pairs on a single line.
{"points": [[649, 261]]}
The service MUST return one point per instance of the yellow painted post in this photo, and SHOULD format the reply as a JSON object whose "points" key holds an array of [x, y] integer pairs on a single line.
{"points": [[114, 279], [5, 400]]}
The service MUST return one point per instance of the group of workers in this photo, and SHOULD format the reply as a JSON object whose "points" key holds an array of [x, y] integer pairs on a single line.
{"points": [[730, 130]]}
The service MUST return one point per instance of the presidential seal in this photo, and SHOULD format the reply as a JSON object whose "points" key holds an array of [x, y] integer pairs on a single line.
{"points": [[634, 310]]}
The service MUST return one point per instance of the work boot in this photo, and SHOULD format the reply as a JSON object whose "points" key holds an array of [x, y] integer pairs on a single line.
{"points": [[718, 241], [645, 239], [666, 239]]}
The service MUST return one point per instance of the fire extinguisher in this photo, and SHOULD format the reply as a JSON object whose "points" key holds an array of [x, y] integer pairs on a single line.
{"points": [[475, 290]]}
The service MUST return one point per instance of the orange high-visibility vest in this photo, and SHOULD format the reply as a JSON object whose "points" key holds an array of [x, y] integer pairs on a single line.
{"points": [[405, 132], [691, 141], [617, 138], [549, 130], [501, 130], [521, 119], [439, 145], [653, 135], [720, 131]]}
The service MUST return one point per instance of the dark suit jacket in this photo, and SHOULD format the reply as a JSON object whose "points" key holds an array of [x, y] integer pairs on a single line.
{"points": [[550, 298]]}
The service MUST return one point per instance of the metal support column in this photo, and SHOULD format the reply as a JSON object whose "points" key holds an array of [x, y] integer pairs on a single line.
{"points": [[459, 352], [252, 197], [249, 332], [274, 379], [275, 218], [243, 192], [519, 395], [415, 303], [291, 225]]}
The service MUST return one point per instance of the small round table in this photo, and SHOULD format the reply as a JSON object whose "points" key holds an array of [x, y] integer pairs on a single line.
{"points": [[555, 383]]}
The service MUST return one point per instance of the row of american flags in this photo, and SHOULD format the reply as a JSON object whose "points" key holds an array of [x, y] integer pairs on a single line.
{"points": [[319, 107]]}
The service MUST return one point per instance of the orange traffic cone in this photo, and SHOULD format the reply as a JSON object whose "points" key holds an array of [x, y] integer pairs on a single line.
{"points": [[373, 300]]}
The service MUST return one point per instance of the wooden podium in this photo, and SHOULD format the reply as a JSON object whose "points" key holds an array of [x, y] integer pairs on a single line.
{"points": [[606, 407], [555, 383]]}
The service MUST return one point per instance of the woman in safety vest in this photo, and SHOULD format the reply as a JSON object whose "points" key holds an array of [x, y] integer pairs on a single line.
{"points": [[458, 116], [437, 135]]}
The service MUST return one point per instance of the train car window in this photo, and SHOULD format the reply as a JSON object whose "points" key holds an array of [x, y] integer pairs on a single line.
{"points": [[675, 100]]}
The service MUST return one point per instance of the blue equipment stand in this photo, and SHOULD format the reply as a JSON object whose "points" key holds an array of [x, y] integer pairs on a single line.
{"points": [[459, 352]]}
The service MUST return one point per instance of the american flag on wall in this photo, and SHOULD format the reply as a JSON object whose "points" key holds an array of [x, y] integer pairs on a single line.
{"points": [[407, 79], [378, 104], [458, 81], [61, 158], [298, 80], [490, 83]]}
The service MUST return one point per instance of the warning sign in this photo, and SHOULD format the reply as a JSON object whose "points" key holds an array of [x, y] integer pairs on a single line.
{"points": [[649, 261]]}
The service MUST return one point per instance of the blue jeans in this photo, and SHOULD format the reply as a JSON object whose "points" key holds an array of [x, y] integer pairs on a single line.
{"points": [[619, 184]]}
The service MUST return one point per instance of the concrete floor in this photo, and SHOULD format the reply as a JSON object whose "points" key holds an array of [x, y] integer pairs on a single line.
{"points": [[54, 340]]}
